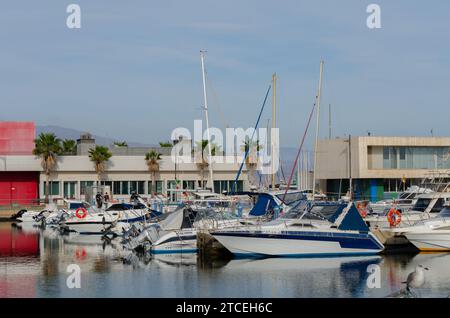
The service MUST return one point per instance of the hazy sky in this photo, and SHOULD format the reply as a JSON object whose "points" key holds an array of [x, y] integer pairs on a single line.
{"points": [[133, 72]]}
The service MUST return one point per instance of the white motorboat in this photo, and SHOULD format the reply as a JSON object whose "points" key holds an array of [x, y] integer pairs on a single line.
{"points": [[309, 229], [92, 221], [432, 235], [427, 207], [265, 206], [50, 211], [174, 234], [405, 201]]}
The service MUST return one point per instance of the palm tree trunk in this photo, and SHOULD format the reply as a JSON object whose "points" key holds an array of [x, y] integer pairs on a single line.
{"points": [[153, 190], [202, 176], [47, 186]]}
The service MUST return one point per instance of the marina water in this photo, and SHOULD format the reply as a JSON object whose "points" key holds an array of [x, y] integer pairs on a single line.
{"points": [[34, 262]]}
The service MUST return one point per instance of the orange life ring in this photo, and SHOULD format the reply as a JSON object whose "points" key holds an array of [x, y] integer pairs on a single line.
{"points": [[394, 217], [82, 215], [362, 210]]}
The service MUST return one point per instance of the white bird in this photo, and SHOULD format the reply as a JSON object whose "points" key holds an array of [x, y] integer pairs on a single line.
{"points": [[416, 279]]}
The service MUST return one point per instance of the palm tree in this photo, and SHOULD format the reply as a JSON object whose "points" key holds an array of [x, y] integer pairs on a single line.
{"points": [[99, 155], [251, 148], [120, 144], [202, 163], [48, 148], [165, 144], [69, 147], [152, 159]]}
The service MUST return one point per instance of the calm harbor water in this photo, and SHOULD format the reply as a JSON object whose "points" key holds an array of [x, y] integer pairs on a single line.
{"points": [[33, 263]]}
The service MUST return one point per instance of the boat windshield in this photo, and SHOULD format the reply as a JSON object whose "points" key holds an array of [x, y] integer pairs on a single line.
{"points": [[125, 206], [445, 212], [407, 195], [292, 197], [315, 211], [76, 205], [423, 203]]}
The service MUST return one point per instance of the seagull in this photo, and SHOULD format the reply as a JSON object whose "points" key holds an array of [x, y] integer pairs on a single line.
{"points": [[416, 279]]}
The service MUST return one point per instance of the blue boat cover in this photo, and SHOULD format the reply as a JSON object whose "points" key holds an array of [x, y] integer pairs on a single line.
{"points": [[264, 203], [351, 221]]}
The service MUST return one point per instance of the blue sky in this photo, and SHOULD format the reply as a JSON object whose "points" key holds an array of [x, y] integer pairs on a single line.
{"points": [[133, 72]]}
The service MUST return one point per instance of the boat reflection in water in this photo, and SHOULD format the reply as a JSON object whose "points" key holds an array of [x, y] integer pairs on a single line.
{"points": [[19, 262], [33, 263]]}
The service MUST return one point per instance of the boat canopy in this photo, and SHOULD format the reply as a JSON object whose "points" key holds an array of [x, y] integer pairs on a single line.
{"points": [[347, 218], [344, 216], [125, 206], [264, 204], [182, 217]]}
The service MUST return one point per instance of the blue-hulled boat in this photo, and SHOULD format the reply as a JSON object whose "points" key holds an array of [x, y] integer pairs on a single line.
{"points": [[306, 230]]}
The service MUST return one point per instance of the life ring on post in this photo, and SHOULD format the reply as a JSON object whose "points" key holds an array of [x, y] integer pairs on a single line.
{"points": [[394, 217], [81, 215]]}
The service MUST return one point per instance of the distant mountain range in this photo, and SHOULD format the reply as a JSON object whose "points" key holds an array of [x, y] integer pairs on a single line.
{"points": [[69, 133], [287, 154]]}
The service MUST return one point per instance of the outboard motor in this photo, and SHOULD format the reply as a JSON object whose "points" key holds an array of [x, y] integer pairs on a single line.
{"points": [[148, 235], [40, 218], [128, 234], [18, 214]]}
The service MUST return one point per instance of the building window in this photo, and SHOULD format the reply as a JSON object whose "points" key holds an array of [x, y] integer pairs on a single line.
{"points": [[199, 182], [53, 188], [137, 186], [133, 187], [415, 158], [159, 187], [227, 186], [141, 187], [393, 157], [189, 185], [70, 189], [84, 185], [121, 187]]}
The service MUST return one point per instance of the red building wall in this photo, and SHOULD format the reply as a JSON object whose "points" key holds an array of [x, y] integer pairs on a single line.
{"points": [[17, 138], [19, 187]]}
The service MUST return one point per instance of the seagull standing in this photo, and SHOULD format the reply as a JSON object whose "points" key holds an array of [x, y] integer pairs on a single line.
{"points": [[416, 279]]}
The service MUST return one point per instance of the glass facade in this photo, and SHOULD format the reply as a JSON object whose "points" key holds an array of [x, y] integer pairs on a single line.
{"points": [[394, 157], [159, 187], [84, 185], [53, 188], [121, 187], [189, 185], [70, 189], [137, 186], [227, 185]]}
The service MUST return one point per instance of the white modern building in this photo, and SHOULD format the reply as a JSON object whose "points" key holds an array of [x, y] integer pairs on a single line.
{"points": [[379, 165], [22, 179]]}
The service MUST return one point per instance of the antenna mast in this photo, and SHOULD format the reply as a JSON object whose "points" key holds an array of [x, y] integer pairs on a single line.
{"points": [[319, 93], [211, 177]]}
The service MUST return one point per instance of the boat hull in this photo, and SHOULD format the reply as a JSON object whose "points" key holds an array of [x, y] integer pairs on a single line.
{"points": [[87, 228], [430, 242], [175, 243], [298, 244]]}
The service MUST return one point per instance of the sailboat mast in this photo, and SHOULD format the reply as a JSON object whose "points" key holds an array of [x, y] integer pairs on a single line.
{"points": [[274, 115], [319, 93], [211, 177]]}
